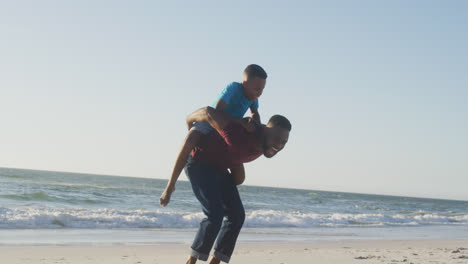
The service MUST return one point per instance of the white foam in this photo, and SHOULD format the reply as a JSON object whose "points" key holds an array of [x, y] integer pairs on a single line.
{"points": [[46, 217]]}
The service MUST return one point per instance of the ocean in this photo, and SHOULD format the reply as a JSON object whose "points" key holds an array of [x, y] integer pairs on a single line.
{"points": [[61, 208]]}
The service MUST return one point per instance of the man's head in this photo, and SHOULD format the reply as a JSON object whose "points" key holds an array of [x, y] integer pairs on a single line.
{"points": [[253, 81], [276, 135]]}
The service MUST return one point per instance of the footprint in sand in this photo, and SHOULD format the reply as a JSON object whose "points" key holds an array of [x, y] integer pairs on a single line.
{"points": [[367, 257]]}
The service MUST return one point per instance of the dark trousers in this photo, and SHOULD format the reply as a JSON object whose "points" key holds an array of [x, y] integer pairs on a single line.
{"points": [[219, 198]]}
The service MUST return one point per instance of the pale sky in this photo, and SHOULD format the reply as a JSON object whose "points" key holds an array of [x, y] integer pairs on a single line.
{"points": [[376, 91]]}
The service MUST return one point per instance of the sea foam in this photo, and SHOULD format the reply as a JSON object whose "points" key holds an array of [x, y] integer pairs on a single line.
{"points": [[50, 218]]}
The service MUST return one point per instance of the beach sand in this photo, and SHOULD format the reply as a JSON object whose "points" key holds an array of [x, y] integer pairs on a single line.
{"points": [[369, 251]]}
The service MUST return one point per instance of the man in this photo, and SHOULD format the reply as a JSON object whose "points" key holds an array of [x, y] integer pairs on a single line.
{"points": [[213, 185]]}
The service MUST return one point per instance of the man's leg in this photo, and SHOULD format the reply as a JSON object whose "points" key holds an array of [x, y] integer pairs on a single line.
{"points": [[204, 181], [235, 216]]}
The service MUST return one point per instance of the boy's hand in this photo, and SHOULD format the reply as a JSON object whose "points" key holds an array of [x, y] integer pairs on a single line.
{"points": [[166, 196], [249, 125]]}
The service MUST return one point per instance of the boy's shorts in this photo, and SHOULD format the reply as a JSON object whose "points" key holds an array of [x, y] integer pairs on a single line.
{"points": [[203, 127]]}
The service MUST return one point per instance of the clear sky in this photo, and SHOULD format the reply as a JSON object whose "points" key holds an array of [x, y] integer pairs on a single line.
{"points": [[376, 91]]}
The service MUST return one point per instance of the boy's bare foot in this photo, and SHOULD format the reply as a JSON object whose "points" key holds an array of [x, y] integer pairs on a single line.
{"points": [[166, 196]]}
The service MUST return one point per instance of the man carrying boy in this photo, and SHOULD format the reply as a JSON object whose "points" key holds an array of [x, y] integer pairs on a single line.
{"points": [[235, 100], [229, 146]]}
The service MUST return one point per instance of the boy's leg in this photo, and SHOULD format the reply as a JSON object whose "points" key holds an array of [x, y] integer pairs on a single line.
{"points": [[204, 181], [235, 216], [190, 142]]}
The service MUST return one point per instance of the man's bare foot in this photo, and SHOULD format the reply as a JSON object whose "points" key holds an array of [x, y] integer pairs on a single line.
{"points": [[214, 260], [191, 260], [166, 196]]}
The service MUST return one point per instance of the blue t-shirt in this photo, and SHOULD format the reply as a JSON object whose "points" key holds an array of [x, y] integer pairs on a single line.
{"points": [[237, 103]]}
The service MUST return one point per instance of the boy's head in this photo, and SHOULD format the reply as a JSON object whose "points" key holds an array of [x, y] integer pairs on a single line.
{"points": [[253, 81]]}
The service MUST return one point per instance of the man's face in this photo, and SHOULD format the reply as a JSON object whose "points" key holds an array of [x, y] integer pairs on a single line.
{"points": [[275, 140], [253, 88]]}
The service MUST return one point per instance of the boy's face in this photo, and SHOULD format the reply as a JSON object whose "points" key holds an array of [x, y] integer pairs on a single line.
{"points": [[253, 87]]}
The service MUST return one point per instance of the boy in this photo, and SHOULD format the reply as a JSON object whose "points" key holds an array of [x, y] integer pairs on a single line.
{"points": [[235, 99]]}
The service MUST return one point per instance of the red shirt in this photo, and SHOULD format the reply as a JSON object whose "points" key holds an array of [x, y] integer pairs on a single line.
{"points": [[230, 149]]}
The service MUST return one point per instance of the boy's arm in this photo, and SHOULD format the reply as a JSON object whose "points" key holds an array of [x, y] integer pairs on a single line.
{"points": [[255, 115], [221, 105]]}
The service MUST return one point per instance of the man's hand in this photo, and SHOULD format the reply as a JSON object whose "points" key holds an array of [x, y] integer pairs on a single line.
{"points": [[238, 174], [190, 125], [166, 196]]}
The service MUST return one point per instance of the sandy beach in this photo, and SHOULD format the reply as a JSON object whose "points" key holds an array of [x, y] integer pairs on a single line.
{"points": [[395, 251]]}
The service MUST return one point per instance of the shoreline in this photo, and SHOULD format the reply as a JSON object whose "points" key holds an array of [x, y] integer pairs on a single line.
{"points": [[343, 251], [151, 236]]}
